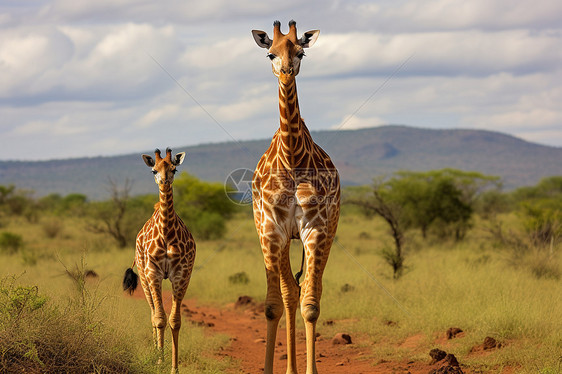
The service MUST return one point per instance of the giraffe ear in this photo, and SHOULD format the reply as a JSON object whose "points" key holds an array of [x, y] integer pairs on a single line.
{"points": [[261, 38], [179, 158], [309, 38], [149, 161]]}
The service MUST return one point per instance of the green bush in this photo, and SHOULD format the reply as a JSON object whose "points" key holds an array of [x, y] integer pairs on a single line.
{"points": [[10, 242], [16, 302], [239, 278], [203, 206], [205, 225]]}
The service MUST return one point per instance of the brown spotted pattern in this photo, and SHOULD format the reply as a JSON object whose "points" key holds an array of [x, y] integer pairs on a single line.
{"points": [[296, 195], [165, 249]]}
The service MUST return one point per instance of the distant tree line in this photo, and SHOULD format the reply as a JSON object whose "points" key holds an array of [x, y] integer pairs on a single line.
{"points": [[440, 205], [203, 206]]}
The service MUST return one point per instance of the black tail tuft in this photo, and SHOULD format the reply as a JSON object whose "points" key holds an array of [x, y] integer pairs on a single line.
{"points": [[299, 273], [130, 281]]}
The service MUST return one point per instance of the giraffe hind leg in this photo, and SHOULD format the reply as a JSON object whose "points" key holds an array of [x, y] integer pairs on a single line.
{"points": [[178, 292]]}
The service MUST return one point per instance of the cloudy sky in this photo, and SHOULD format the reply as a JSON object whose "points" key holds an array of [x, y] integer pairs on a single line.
{"points": [[105, 77]]}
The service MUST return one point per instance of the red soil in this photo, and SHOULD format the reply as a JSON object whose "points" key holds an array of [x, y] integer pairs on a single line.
{"points": [[246, 327]]}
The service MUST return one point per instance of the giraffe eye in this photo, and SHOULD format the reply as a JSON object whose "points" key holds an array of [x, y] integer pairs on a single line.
{"points": [[174, 171], [300, 55], [154, 172], [271, 56]]}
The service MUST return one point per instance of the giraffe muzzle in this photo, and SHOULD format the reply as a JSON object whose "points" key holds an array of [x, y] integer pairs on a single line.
{"points": [[287, 71]]}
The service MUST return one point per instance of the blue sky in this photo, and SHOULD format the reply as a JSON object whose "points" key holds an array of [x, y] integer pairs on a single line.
{"points": [[106, 77]]}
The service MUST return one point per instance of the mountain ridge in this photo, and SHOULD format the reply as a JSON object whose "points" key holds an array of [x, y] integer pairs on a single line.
{"points": [[359, 154]]}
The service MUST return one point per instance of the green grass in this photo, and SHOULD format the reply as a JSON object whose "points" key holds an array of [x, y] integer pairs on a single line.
{"points": [[474, 285]]}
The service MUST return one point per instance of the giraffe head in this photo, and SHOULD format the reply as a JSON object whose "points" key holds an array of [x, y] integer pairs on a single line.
{"points": [[164, 168], [285, 51]]}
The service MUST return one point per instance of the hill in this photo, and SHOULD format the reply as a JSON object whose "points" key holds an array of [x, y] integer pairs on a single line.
{"points": [[359, 155]]}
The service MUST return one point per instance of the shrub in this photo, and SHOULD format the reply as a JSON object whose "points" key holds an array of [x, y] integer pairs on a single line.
{"points": [[29, 258], [10, 243], [543, 221], [16, 302], [206, 225], [36, 337], [364, 235], [52, 228], [203, 206], [239, 278]]}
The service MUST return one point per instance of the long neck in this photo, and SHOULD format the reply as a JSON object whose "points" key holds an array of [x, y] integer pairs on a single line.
{"points": [[166, 206], [292, 130]]}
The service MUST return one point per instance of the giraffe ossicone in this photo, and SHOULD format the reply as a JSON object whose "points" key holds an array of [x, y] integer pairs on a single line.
{"points": [[295, 195], [165, 249]]}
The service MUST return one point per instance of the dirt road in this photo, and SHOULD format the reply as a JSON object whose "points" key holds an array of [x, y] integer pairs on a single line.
{"points": [[245, 324]]}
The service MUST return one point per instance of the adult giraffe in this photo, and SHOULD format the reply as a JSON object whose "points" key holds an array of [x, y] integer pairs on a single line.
{"points": [[296, 195], [165, 249]]}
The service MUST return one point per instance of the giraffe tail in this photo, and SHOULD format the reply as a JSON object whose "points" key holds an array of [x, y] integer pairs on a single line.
{"points": [[130, 281], [299, 273]]}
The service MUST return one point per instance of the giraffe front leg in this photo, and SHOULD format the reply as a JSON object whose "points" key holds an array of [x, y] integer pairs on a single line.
{"points": [[158, 317], [273, 311], [290, 293], [310, 311], [175, 324], [317, 251]]}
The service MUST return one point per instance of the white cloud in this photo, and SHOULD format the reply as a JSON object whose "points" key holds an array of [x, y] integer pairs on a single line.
{"points": [[437, 15], [437, 53], [520, 118], [73, 71], [97, 64], [63, 126], [26, 55], [356, 122], [158, 114], [176, 11], [229, 53]]}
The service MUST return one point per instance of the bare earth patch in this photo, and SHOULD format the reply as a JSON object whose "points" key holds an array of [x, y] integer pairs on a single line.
{"points": [[244, 322]]}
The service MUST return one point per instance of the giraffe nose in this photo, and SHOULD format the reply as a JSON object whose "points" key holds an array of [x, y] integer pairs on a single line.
{"points": [[287, 70]]}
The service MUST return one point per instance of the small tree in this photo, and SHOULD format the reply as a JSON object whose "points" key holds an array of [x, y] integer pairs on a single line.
{"points": [[110, 215], [449, 209], [381, 203], [443, 198]]}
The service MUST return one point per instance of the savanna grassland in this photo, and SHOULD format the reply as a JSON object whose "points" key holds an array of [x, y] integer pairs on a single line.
{"points": [[63, 310]]}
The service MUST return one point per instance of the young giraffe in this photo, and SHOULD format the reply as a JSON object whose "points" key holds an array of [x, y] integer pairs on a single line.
{"points": [[165, 249], [296, 194]]}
